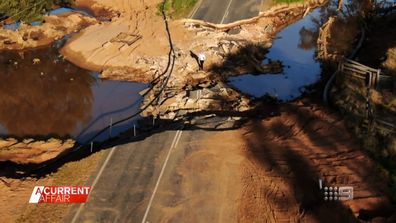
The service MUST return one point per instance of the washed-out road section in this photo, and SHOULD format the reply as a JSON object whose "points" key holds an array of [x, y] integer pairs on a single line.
{"points": [[129, 180]]}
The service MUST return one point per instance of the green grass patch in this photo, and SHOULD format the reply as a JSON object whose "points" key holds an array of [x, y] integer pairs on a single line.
{"points": [[177, 8], [29, 10]]}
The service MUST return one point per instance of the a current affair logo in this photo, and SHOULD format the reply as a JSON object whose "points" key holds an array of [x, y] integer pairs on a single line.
{"points": [[59, 194]]}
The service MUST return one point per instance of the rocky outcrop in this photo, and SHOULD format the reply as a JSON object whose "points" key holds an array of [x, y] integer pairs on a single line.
{"points": [[30, 151]]}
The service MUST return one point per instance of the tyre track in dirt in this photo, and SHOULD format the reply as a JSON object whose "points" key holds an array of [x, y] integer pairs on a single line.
{"points": [[286, 156]]}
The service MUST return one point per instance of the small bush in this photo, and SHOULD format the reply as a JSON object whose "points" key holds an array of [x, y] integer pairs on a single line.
{"points": [[176, 8]]}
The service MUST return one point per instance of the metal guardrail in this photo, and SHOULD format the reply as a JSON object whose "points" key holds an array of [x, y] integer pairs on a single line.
{"points": [[360, 71], [372, 78], [386, 125]]}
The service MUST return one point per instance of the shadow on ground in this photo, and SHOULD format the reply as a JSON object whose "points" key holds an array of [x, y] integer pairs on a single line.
{"points": [[296, 149]]}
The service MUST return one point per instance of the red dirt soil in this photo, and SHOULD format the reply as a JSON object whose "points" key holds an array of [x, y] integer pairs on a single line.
{"points": [[286, 156]]}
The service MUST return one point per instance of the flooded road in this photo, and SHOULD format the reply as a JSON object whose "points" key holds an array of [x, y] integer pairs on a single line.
{"points": [[295, 46], [53, 97]]}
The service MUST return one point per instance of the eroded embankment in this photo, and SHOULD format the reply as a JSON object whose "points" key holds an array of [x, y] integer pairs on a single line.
{"points": [[32, 151], [371, 111], [231, 49], [54, 27], [112, 46]]}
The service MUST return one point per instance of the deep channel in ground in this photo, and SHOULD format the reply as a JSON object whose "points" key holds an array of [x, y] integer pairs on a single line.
{"points": [[57, 98], [296, 47]]}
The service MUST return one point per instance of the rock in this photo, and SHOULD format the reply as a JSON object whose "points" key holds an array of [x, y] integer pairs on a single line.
{"points": [[205, 85], [268, 45], [190, 104], [169, 116]]}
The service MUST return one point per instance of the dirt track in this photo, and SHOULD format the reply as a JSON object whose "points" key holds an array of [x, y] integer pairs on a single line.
{"points": [[269, 171], [287, 154]]}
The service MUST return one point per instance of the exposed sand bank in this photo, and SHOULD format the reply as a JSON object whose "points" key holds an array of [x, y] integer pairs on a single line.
{"points": [[53, 28], [31, 151], [137, 38]]}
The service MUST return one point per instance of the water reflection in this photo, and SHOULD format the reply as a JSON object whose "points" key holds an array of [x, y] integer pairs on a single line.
{"points": [[295, 46], [41, 94], [308, 38], [50, 97]]}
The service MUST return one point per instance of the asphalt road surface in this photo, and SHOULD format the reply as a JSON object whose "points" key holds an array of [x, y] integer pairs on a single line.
{"points": [[125, 186], [226, 11]]}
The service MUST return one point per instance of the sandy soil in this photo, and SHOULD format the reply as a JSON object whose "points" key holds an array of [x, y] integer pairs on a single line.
{"points": [[136, 38], [269, 170], [31, 151], [15, 193], [205, 184], [98, 45], [286, 156], [54, 28]]}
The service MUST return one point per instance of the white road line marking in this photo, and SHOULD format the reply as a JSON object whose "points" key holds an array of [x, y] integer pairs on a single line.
{"points": [[174, 144], [94, 183], [178, 139], [226, 12], [195, 9]]}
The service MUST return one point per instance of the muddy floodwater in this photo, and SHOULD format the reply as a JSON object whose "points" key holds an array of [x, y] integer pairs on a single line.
{"points": [[295, 46], [52, 97]]}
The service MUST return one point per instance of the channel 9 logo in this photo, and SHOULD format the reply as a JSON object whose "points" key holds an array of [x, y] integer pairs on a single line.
{"points": [[336, 193]]}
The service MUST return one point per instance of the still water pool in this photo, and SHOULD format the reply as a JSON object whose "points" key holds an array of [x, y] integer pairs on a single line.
{"points": [[57, 98]]}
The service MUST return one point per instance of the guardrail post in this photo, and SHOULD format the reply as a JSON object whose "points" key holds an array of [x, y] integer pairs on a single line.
{"points": [[134, 130], [153, 120], [91, 147]]}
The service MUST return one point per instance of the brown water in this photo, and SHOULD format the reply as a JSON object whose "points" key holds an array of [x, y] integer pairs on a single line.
{"points": [[56, 98]]}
